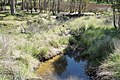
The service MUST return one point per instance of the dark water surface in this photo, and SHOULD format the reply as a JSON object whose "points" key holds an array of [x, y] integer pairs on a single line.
{"points": [[64, 68]]}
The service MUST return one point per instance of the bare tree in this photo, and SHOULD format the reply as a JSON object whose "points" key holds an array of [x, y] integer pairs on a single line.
{"points": [[45, 5], [1, 5], [116, 6], [35, 5], [79, 7], [119, 20], [22, 5], [27, 5], [58, 6], [53, 7], [114, 18], [31, 6], [12, 6]]}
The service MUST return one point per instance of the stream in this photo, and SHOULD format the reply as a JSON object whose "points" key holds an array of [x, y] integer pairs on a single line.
{"points": [[63, 67]]}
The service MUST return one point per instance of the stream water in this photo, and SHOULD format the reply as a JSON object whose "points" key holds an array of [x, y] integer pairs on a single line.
{"points": [[64, 67]]}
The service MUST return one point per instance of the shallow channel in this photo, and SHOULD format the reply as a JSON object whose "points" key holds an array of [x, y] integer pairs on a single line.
{"points": [[63, 67]]}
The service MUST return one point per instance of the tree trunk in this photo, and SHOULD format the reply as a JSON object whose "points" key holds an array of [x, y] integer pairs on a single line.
{"points": [[31, 6], [4, 5], [15, 3], [39, 5], [45, 5], [50, 6], [119, 21], [79, 8], [114, 19], [26, 5], [71, 6], [58, 6], [8, 1], [1, 6], [53, 7], [35, 6], [22, 6], [12, 7]]}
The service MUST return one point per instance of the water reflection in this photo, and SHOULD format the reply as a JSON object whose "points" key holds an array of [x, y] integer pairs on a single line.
{"points": [[60, 65], [75, 56], [75, 68], [52, 67], [64, 67]]}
